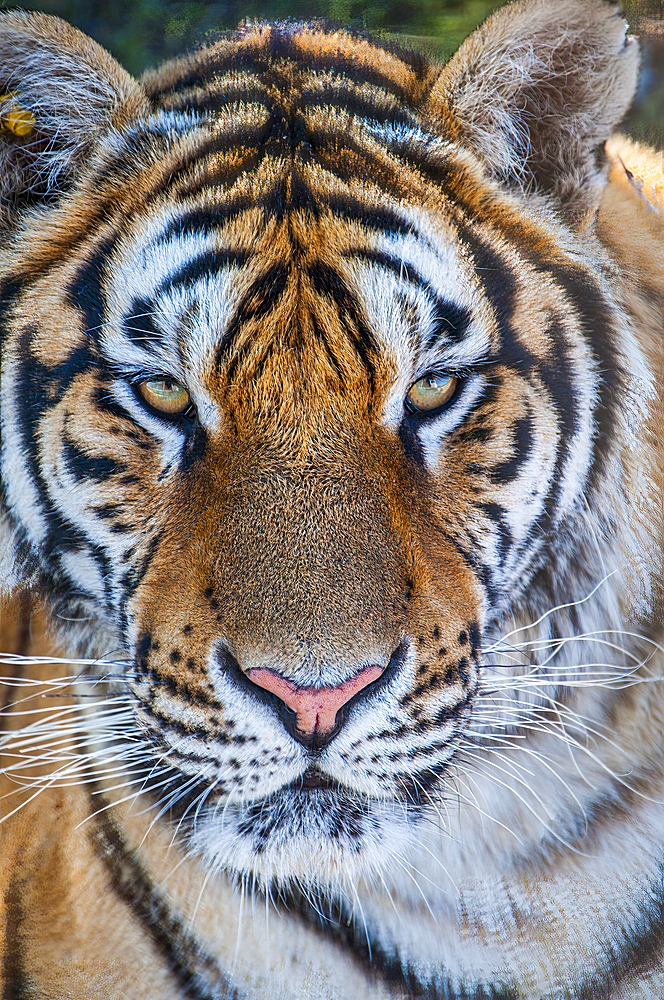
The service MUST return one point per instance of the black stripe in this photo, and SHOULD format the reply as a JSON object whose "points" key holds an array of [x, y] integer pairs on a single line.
{"points": [[358, 104], [176, 155], [206, 265], [598, 323], [498, 517], [442, 171], [10, 292], [640, 950], [522, 440], [84, 466], [376, 218], [451, 321], [206, 218], [132, 578], [351, 70], [329, 282], [84, 291], [33, 385], [197, 973], [321, 340], [146, 334], [104, 401], [215, 100], [333, 918], [499, 282], [348, 159], [556, 376], [597, 320], [262, 296], [412, 444], [472, 558], [16, 980], [199, 70]]}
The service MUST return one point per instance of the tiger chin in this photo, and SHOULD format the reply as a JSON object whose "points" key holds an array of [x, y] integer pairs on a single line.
{"points": [[331, 492]]}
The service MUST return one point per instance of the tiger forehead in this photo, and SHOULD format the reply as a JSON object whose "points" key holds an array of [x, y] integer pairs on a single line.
{"points": [[322, 291], [290, 58]]}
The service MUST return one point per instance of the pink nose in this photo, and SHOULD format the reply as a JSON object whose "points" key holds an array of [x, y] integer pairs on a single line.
{"points": [[316, 708]]}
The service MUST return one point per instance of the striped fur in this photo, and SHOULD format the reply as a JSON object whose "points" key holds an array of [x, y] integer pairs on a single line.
{"points": [[297, 224]]}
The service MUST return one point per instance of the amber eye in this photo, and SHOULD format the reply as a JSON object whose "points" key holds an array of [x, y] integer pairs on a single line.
{"points": [[431, 392], [165, 396]]}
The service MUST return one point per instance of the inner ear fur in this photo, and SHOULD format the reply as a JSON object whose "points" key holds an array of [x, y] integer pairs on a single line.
{"points": [[537, 90], [75, 90]]}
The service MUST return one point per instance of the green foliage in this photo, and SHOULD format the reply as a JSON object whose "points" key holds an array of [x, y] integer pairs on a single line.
{"points": [[141, 33]]}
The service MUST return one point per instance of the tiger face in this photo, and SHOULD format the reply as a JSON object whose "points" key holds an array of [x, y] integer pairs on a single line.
{"points": [[313, 366]]}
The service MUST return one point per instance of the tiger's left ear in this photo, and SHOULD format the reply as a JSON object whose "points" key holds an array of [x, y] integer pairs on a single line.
{"points": [[537, 90], [61, 92]]}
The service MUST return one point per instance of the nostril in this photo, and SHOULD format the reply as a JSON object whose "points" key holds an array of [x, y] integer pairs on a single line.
{"points": [[316, 707]]}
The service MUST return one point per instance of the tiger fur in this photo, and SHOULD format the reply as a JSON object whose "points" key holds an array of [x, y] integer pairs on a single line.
{"points": [[338, 693]]}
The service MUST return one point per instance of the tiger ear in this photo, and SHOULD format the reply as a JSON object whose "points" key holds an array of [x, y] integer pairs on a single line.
{"points": [[537, 90], [59, 92]]}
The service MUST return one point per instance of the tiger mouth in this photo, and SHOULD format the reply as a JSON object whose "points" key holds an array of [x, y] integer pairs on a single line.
{"points": [[315, 779]]}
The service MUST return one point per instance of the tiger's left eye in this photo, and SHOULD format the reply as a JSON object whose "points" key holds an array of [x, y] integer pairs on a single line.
{"points": [[431, 392], [166, 396]]}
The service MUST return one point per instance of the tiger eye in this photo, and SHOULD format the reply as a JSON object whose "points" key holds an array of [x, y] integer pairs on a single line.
{"points": [[431, 391], [164, 395]]}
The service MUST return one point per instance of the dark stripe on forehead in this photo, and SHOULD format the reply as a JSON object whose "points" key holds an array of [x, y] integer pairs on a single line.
{"points": [[148, 148], [210, 217], [214, 99], [139, 327], [322, 342], [206, 265], [196, 973], [350, 160], [263, 52], [206, 218], [240, 52], [450, 321], [377, 218], [261, 298], [328, 282], [368, 108]]}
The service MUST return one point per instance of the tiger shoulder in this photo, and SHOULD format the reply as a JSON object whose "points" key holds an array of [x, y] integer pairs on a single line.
{"points": [[331, 494]]}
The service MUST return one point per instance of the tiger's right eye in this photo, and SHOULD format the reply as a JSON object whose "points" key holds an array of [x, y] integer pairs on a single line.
{"points": [[165, 395], [431, 392]]}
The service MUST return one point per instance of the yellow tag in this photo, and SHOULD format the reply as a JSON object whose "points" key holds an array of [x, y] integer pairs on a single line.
{"points": [[15, 117]]}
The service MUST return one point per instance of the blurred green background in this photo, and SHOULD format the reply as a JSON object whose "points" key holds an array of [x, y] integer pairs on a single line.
{"points": [[141, 33]]}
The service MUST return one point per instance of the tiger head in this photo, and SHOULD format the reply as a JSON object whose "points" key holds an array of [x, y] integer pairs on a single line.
{"points": [[315, 384]]}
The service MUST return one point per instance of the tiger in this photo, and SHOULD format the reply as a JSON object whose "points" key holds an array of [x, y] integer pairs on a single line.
{"points": [[331, 540]]}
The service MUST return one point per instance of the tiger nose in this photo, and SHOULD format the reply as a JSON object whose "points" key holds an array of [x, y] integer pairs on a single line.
{"points": [[316, 707]]}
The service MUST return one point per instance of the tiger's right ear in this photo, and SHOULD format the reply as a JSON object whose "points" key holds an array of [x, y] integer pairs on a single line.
{"points": [[68, 89], [535, 93]]}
